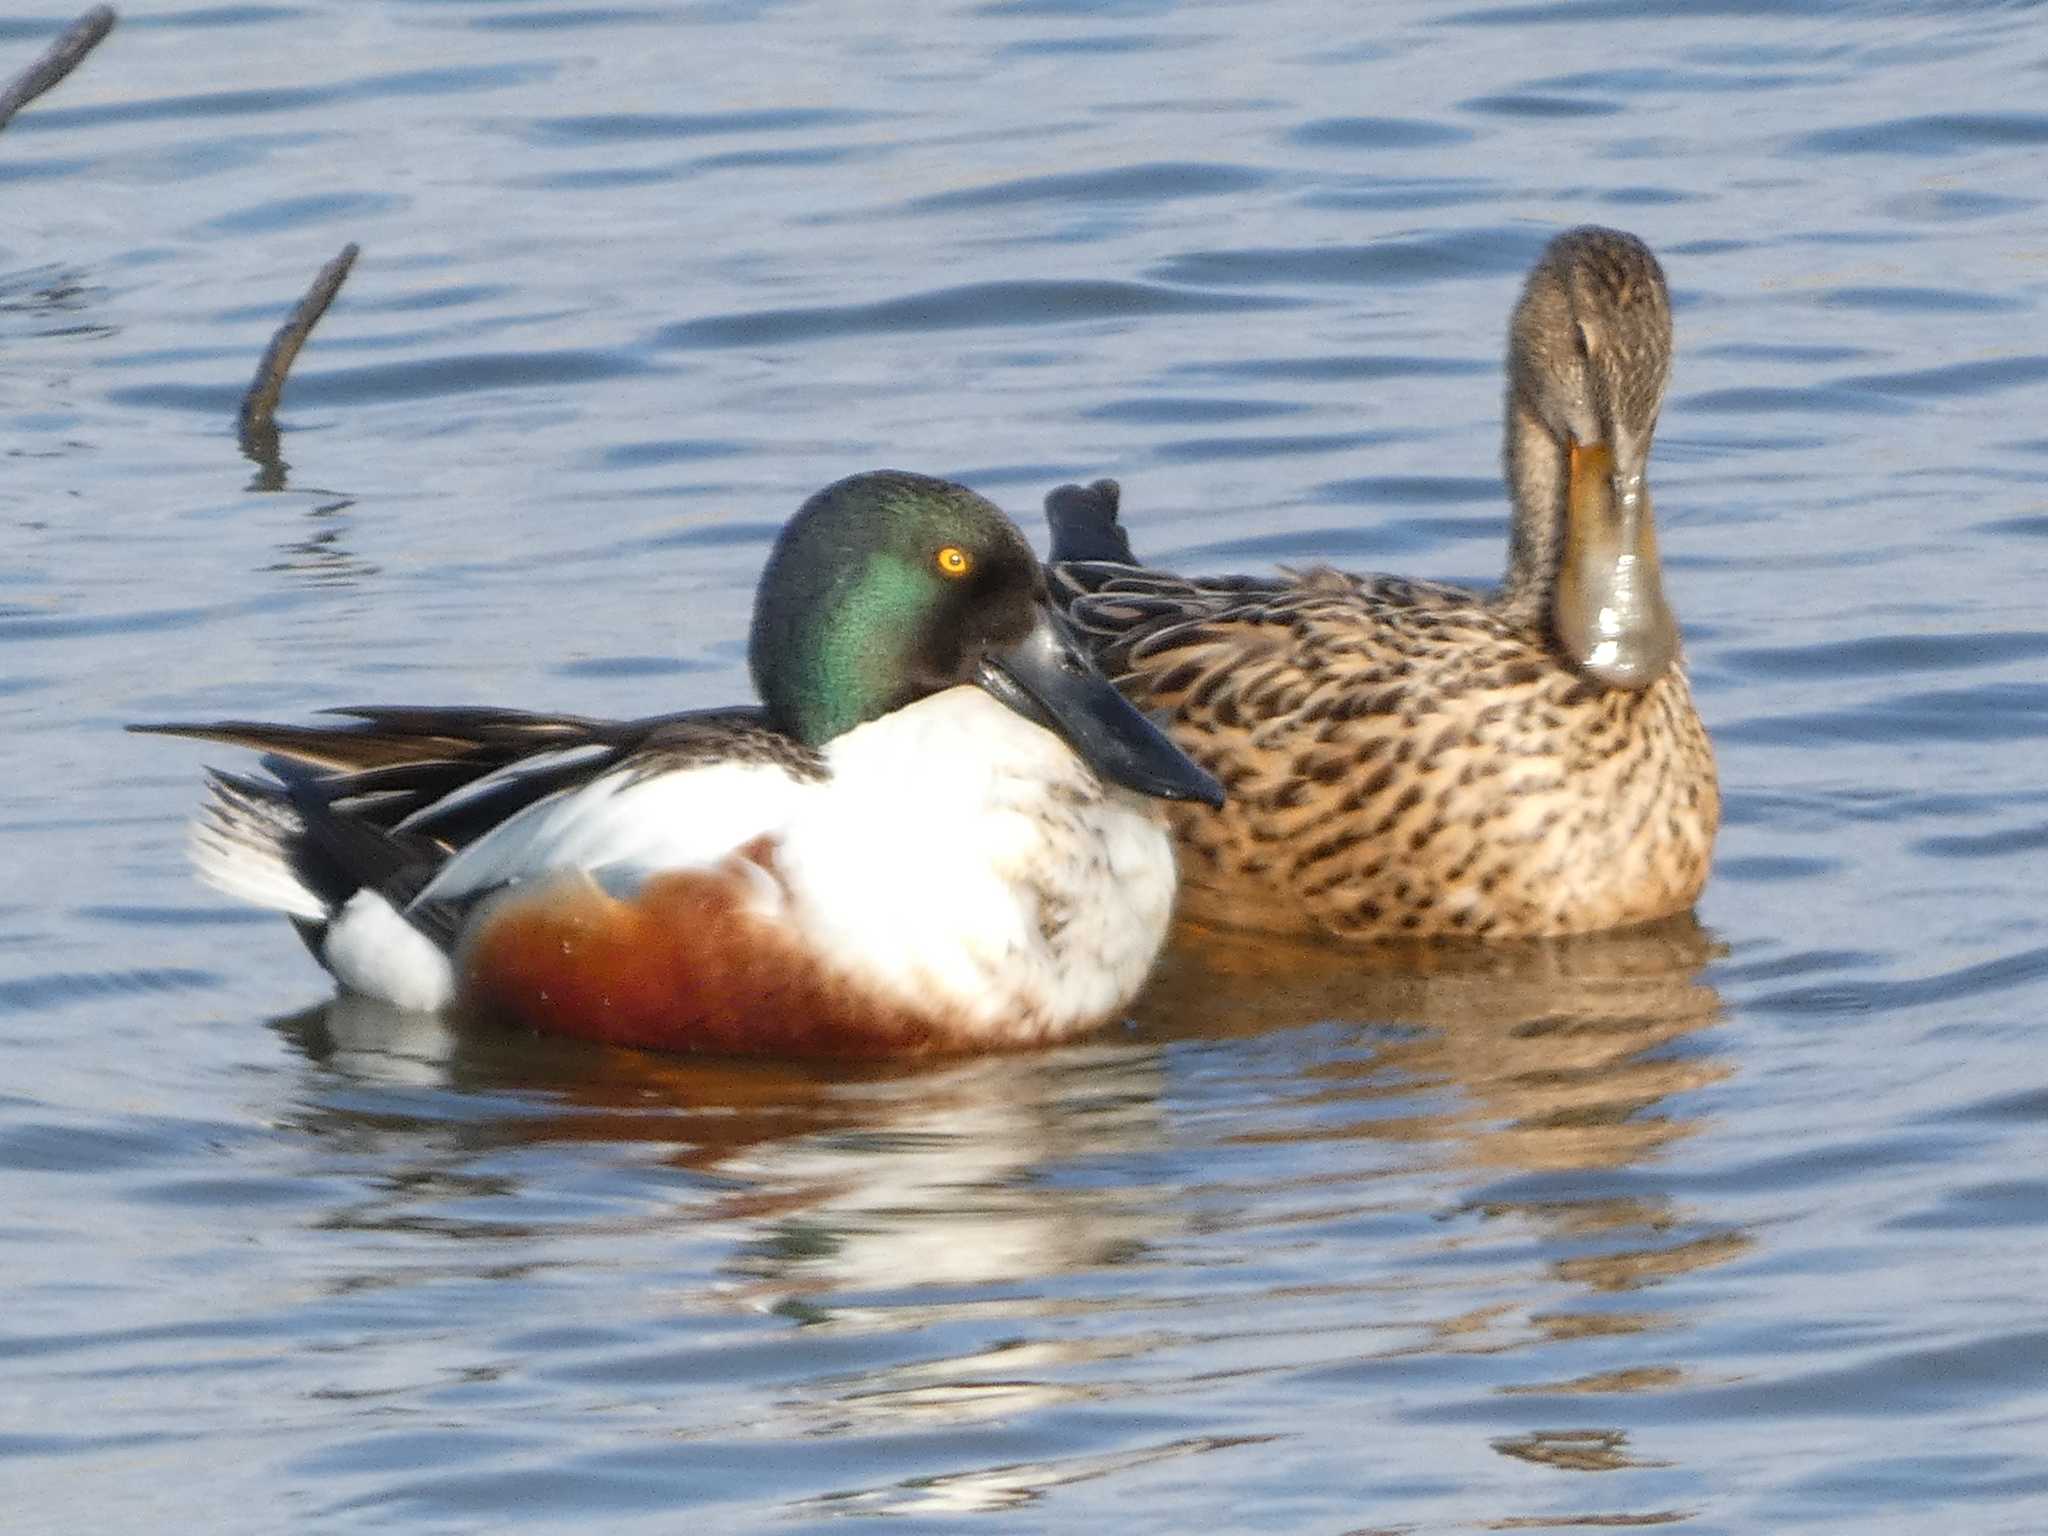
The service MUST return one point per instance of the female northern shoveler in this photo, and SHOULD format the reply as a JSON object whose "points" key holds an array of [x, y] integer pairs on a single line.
{"points": [[1406, 758], [935, 832]]}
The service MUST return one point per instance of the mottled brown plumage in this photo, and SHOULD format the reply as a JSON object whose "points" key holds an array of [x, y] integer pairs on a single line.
{"points": [[1406, 758]]}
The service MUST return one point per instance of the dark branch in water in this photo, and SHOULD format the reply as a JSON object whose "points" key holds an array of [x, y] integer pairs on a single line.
{"points": [[259, 405], [65, 55]]}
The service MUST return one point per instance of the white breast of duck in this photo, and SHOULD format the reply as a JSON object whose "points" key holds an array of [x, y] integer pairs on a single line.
{"points": [[959, 852]]}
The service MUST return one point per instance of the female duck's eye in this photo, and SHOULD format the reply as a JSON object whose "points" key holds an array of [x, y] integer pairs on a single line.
{"points": [[953, 561]]}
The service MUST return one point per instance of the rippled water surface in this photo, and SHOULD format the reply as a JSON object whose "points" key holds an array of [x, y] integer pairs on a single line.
{"points": [[1735, 1226]]}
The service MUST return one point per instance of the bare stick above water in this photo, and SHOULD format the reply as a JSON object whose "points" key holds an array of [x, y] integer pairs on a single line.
{"points": [[65, 55], [259, 405]]}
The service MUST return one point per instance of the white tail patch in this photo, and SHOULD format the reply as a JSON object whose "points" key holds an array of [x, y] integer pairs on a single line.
{"points": [[374, 951], [241, 845]]}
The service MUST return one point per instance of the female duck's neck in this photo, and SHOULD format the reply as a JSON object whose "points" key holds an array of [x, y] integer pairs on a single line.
{"points": [[1537, 482]]}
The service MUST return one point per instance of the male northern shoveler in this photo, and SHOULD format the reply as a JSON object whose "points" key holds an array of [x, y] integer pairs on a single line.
{"points": [[1407, 758], [937, 831]]}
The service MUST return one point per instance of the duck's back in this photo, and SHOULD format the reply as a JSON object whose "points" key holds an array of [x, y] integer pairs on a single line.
{"points": [[1402, 759]]}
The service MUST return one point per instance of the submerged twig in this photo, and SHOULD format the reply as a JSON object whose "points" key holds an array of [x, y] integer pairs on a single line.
{"points": [[65, 55], [259, 405]]}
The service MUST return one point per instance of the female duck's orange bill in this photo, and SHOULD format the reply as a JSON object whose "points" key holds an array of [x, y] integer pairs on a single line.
{"points": [[1610, 613]]}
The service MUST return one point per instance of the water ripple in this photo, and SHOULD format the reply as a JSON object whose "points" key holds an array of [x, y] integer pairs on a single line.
{"points": [[1470, 253], [1994, 845], [60, 989], [1991, 712], [1861, 995], [427, 378], [658, 127], [1188, 411], [1955, 379], [976, 305], [1414, 490], [1575, 11], [564, 21], [1886, 655], [1949, 301], [1854, 399], [1938, 134], [270, 101], [1525, 104], [1378, 133], [1163, 181]]}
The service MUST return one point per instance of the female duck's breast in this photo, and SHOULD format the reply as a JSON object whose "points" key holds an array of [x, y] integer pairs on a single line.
{"points": [[1510, 813]]}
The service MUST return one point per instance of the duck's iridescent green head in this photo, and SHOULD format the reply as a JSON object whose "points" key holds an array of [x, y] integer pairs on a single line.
{"points": [[888, 587], [876, 593]]}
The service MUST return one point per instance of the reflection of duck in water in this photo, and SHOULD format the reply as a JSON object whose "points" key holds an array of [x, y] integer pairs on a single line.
{"points": [[1556, 1047], [938, 831], [1405, 758], [824, 1177], [892, 1196], [1548, 1057], [1538, 1057]]}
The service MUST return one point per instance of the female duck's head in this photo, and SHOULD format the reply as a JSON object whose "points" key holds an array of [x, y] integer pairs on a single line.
{"points": [[886, 588], [1589, 354]]}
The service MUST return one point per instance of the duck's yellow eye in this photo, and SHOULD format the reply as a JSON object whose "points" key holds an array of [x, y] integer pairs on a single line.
{"points": [[954, 561]]}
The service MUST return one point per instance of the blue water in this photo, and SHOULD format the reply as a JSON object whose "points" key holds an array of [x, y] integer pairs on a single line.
{"points": [[1736, 1226]]}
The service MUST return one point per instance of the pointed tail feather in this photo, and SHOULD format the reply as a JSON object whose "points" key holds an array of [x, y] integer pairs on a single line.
{"points": [[340, 747], [283, 845], [245, 844]]}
